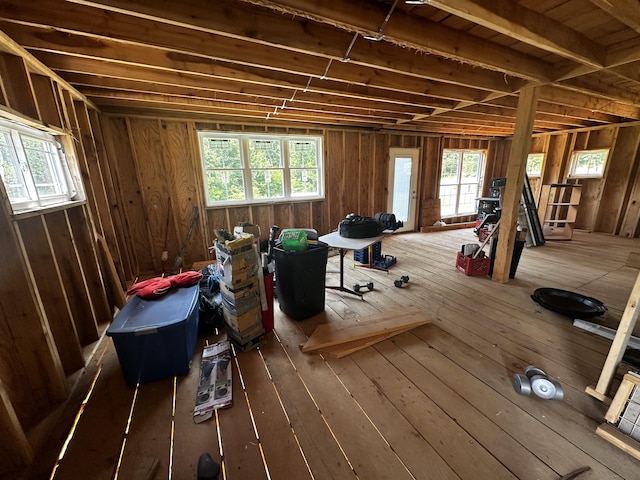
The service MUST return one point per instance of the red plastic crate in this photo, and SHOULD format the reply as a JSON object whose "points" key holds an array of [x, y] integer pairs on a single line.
{"points": [[473, 266]]}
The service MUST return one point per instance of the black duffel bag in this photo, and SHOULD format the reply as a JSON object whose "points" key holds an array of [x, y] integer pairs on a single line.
{"points": [[357, 226]]}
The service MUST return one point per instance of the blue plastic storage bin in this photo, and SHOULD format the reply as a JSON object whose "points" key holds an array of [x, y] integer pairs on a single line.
{"points": [[156, 339]]}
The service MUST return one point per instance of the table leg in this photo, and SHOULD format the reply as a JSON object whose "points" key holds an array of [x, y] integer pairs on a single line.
{"points": [[341, 287], [370, 265]]}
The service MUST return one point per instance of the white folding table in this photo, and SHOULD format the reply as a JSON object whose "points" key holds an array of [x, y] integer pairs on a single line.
{"points": [[343, 244]]}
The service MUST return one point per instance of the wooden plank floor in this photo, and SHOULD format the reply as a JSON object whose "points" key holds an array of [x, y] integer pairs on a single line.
{"points": [[434, 403]]}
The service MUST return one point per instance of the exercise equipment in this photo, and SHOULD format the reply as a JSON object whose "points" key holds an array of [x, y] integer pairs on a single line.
{"points": [[358, 286], [536, 381], [388, 220], [403, 279]]}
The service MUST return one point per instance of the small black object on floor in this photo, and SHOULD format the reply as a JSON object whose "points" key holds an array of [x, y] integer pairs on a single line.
{"points": [[208, 468]]}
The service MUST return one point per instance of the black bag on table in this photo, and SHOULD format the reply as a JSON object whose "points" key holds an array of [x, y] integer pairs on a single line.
{"points": [[356, 226]]}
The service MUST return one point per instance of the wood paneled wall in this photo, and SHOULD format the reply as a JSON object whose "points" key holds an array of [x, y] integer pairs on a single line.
{"points": [[158, 162], [53, 302], [608, 204]]}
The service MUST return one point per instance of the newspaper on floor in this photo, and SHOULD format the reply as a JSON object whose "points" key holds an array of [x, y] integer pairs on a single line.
{"points": [[214, 387]]}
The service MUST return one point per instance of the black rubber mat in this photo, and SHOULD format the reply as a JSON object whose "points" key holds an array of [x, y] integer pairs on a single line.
{"points": [[568, 303]]}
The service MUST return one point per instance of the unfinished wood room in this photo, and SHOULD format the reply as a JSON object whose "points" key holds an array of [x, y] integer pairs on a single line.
{"points": [[289, 239]]}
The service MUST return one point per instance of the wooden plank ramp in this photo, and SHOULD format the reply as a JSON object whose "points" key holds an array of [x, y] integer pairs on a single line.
{"points": [[362, 332]]}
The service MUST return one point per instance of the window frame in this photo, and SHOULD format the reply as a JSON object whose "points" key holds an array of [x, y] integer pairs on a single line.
{"points": [[574, 160], [480, 179], [244, 140], [23, 160]]}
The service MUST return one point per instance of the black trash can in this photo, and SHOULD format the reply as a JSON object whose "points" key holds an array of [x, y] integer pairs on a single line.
{"points": [[300, 280], [518, 246]]}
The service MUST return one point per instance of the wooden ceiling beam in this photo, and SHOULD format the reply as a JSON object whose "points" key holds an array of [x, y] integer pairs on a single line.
{"points": [[280, 88], [542, 119], [556, 110], [457, 128], [528, 26], [572, 98], [190, 28], [602, 89], [47, 39], [249, 112], [310, 110], [360, 16], [311, 103], [627, 11]]}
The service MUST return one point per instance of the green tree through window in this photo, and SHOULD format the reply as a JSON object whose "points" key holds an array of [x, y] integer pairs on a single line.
{"points": [[460, 181], [257, 168], [33, 168]]}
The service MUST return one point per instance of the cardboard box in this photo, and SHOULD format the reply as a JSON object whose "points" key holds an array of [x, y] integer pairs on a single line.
{"points": [[245, 322], [251, 229], [236, 268], [155, 339]]}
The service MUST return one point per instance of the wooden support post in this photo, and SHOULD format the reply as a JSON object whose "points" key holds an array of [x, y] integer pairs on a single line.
{"points": [[625, 329], [515, 181]]}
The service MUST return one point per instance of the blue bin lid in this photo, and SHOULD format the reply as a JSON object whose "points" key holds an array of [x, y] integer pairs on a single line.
{"points": [[140, 316]]}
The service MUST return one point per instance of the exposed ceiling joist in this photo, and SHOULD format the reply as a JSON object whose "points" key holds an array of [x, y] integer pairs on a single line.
{"points": [[627, 11], [447, 66], [528, 26]]}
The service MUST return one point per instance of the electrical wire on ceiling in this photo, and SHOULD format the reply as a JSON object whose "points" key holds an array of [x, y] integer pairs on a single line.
{"points": [[345, 58], [380, 34]]}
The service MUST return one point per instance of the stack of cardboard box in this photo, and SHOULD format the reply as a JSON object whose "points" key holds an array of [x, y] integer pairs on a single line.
{"points": [[238, 266]]}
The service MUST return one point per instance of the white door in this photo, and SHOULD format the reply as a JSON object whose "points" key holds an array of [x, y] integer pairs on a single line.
{"points": [[403, 181]]}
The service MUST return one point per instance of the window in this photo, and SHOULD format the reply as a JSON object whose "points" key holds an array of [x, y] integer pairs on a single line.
{"points": [[534, 164], [252, 168], [33, 167], [460, 181], [588, 163]]}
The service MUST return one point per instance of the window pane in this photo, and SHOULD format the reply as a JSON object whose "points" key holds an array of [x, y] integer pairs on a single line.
{"points": [[304, 182], [302, 154], [460, 182], [449, 168], [401, 187], [221, 153], [534, 164], [265, 153], [267, 183], [468, 195], [10, 170], [448, 195], [41, 162], [225, 185], [589, 163], [471, 162]]}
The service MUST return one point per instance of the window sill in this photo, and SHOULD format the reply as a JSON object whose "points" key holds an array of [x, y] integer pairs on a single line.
{"points": [[34, 212], [279, 201]]}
